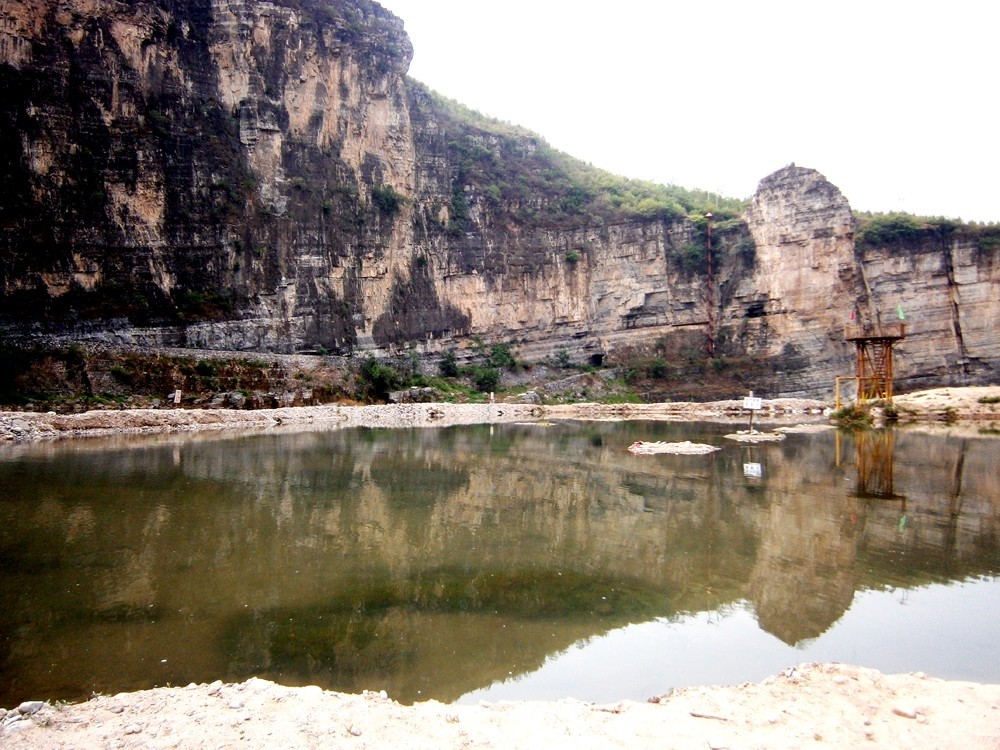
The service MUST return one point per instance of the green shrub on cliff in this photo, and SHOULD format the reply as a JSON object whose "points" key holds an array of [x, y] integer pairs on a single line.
{"points": [[387, 200], [988, 237], [501, 356], [888, 229]]}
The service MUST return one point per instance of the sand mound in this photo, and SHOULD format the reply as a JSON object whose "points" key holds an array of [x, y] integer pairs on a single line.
{"points": [[685, 448]]}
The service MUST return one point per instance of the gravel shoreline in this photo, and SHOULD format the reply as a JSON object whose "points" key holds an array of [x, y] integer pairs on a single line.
{"points": [[973, 404], [36, 426]]}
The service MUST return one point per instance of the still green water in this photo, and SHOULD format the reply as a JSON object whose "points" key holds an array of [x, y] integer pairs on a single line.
{"points": [[505, 561]]}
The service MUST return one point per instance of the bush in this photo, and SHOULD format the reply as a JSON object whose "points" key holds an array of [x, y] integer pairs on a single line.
{"points": [[988, 238], [692, 258], [852, 416], [199, 305], [486, 379], [377, 379], [449, 365], [121, 375], [501, 356]]}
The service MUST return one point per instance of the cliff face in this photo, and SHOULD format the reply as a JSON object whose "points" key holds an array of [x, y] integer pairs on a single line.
{"points": [[793, 305], [812, 279], [253, 176], [949, 289], [178, 163]]}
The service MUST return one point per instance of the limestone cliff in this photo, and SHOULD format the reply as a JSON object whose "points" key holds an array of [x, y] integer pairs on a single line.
{"points": [[235, 174], [948, 285], [812, 279], [176, 164]]}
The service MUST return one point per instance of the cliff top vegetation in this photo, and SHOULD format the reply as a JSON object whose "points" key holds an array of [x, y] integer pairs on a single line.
{"points": [[902, 230], [518, 170]]}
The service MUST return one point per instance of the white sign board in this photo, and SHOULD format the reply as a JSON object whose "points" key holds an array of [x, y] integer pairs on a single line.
{"points": [[751, 402], [753, 470]]}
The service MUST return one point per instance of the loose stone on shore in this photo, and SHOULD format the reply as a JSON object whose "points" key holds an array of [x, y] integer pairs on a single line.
{"points": [[30, 707]]}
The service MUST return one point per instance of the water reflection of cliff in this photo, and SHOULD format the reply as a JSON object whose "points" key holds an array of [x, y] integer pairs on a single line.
{"points": [[804, 577], [432, 562]]}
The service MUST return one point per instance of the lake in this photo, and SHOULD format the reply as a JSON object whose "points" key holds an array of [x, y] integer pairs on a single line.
{"points": [[534, 561]]}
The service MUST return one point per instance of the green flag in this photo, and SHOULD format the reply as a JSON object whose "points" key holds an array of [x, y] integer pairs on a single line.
{"points": [[899, 311]]}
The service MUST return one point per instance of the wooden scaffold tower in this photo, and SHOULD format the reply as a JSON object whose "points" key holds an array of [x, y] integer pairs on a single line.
{"points": [[874, 372]]}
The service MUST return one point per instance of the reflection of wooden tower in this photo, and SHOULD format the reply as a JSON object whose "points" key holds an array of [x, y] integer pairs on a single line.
{"points": [[874, 459], [874, 372]]}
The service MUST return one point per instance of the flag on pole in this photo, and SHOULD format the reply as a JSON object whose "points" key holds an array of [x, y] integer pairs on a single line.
{"points": [[899, 311]]}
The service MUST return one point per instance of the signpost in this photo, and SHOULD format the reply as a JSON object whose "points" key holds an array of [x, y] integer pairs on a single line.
{"points": [[751, 404]]}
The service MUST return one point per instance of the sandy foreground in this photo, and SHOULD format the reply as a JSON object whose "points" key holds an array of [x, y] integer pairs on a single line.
{"points": [[812, 705]]}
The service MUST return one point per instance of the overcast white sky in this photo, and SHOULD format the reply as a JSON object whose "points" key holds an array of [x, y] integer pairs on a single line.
{"points": [[895, 101]]}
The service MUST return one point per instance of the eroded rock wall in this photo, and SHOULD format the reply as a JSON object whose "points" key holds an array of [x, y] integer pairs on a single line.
{"points": [[949, 291], [255, 176], [209, 172], [786, 307], [811, 280]]}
